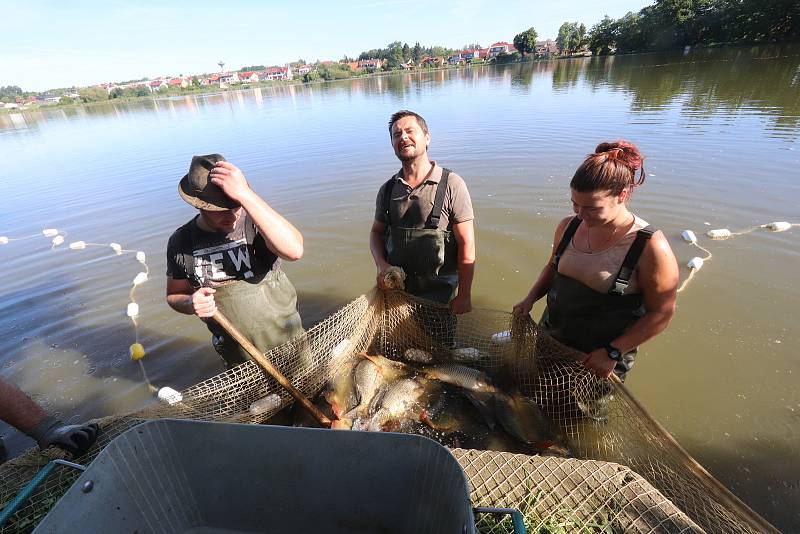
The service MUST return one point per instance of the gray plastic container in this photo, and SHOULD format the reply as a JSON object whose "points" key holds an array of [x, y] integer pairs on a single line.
{"points": [[175, 476]]}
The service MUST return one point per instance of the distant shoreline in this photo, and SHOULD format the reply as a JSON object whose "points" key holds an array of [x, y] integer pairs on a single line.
{"points": [[298, 82], [233, 88]]}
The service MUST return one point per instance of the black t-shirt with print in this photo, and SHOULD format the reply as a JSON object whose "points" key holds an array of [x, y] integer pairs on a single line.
{"points": [[208, 259]]}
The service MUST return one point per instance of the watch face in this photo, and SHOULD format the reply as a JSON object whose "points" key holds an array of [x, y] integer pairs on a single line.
{"points": [[614, 354]]}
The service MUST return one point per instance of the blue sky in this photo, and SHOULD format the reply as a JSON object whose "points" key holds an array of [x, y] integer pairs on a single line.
{"points": [[47, 44]]}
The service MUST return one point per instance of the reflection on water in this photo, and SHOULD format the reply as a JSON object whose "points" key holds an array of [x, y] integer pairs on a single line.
{"points": [[761, 81], [719, 129]]}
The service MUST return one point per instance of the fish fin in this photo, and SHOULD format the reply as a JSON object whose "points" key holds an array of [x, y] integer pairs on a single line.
{"points": [[424, 419], [372, 358], [339, 409], [390, 370], [556, 450], [377, 421], [352, 414], [342, 424], [377, 399], [484, 404]]}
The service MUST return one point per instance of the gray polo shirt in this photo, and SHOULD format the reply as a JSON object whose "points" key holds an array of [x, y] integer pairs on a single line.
{"points": [[410, 207]]}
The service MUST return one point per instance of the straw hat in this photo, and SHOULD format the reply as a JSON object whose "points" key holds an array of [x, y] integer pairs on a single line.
{"points": [[197, 189]]}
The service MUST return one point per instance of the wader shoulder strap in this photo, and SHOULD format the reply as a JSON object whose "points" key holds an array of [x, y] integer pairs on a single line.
{"points": [[572, 227], [250, 231], [631, 259], [188, 257], [387, 199], [438, 202], [259, 246]]}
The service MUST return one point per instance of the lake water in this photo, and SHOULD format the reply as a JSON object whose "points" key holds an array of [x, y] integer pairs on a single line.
{"points": [[720, 131]]}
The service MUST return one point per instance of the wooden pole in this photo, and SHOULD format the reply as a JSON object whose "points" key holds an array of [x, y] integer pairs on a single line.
{"points": [[267, 366]]}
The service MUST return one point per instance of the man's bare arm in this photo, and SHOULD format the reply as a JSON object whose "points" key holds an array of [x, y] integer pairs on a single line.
{"points": [[280, 235], [464, 233], [17, 409], [377, 245]]}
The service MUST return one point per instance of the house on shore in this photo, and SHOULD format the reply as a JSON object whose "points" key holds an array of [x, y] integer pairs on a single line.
{"points": [[472, 55], [545, 48], [156, 85], [228, 78], [500, 47], [249, 77], [431, 61], [370, 65], [276, 73], [181, 82]]}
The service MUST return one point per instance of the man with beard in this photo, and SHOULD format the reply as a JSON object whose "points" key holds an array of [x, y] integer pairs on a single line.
{"points": [[423, 223]]}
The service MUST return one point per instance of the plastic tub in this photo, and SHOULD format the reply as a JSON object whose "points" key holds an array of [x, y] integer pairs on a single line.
{"points": [[190, 476]]}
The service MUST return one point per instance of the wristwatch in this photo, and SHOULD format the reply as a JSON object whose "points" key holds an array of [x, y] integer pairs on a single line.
{"points": [[613, 352]]}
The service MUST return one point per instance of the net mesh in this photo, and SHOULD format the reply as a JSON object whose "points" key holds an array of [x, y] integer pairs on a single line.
{"points": [[627, 474]]}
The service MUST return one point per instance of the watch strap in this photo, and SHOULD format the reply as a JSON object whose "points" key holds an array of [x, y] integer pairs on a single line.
{"points": [[613, 352]]}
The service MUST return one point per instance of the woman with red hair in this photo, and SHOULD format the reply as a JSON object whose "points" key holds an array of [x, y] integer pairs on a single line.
{"points": [[611, 280]]}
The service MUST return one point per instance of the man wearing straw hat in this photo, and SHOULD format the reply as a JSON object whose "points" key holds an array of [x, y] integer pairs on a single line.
{"points": [[229, 257]]}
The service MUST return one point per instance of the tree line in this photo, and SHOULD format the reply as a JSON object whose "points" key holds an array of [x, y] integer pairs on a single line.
{"points": [[397, 53], [669, 24], [10, 93]]}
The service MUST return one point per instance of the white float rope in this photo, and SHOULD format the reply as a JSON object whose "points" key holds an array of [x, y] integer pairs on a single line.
{"points": [[4, 240], [136, 350], [724, 233], [720, 234]]}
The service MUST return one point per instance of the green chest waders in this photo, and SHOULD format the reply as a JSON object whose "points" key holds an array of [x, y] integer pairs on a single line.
{"points": [[264, 312], [586, 319], [429, 256]]}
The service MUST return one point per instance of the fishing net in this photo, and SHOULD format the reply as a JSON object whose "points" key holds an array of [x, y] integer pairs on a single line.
{"points": [[627, 475]]}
